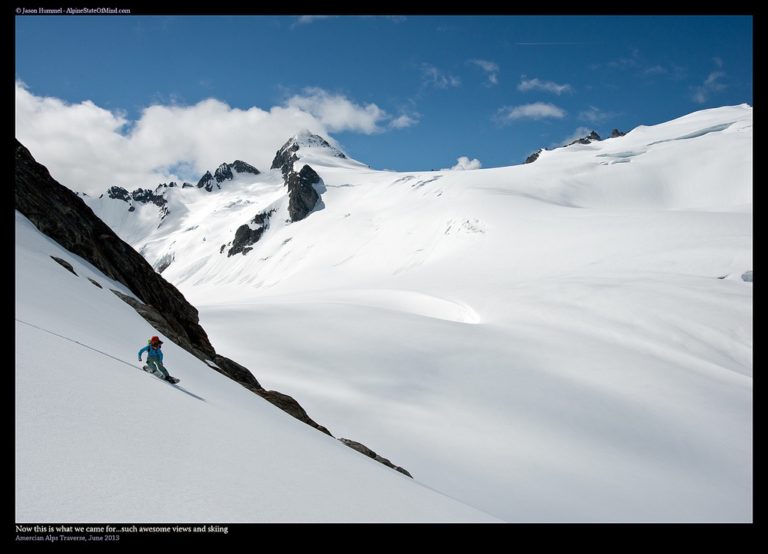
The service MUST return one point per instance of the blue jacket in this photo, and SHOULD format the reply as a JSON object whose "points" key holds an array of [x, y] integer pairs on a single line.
{"points": [[151, 353]]}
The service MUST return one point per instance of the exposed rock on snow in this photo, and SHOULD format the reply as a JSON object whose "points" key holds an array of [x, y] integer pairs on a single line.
{"points": [[146, 196], [206, 182], [118, 193], [747, 276], [289, 405], [301, 193], [533, 157], [245, 236], [65, 264], [241, 167], [286, 156], [591, 137], [225, 172], [615, 133], [371, 454]]}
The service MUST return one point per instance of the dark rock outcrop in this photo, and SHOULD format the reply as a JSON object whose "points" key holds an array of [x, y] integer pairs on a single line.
{"points": [[245, 236], [95, 283], [170, 185], [302, 196], [206, 182], [285, 157], [289, 405], [146, 195], [371, 454], [66, 265], [59, 213], [223, 173], [616, 133], [242, 167], [118, 193], [533, 157], [591, 137]]}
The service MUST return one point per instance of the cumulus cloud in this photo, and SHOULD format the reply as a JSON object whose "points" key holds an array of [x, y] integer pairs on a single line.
{"points": [[537, 110], [89, 148], [404, 121], [433, 76], [491, 70], [337, 112], [464, 163], [547, 86]]}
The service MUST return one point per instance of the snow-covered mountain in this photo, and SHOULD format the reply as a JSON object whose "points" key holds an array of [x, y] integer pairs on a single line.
{"points": [[563, 340], [99, 440]]}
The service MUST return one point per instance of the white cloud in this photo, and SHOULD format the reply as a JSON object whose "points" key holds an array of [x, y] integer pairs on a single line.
{"points": [[537, 110], [436, 78], [337, 112], [711, 85], [594, 115], [89, 148], [404, 121], [547, 86], [464, 163], [491, 69]]}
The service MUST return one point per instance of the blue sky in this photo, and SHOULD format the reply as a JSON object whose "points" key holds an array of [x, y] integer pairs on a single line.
{"points": [[404, 93]]}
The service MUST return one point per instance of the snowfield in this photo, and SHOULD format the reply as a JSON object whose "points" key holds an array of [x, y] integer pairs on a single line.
{"points": [[99, 440], [563, 341]]}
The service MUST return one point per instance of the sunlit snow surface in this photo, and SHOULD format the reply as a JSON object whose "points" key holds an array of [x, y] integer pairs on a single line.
{"points": [[567, 340], [99, 440]]}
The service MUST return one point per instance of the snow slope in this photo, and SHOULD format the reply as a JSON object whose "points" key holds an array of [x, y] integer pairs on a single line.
{"points": [[567, 340], [98, 440]]}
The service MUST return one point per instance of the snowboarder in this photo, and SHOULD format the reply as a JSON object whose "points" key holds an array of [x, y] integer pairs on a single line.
{"points": [[155, 359]]}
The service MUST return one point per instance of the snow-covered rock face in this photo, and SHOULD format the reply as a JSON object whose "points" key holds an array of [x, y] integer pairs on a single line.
{"points": [[591, 137], [225, 172], [300, 145]]}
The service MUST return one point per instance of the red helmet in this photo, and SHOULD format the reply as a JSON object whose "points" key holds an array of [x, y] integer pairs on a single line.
{"points": [[155, 341]]}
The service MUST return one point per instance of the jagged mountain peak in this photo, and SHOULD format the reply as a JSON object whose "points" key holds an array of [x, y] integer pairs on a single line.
{"points": [[225, 172], [299, 145]]}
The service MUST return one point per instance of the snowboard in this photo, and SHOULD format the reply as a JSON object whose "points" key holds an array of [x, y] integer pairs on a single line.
{"points": [[173, 380]]}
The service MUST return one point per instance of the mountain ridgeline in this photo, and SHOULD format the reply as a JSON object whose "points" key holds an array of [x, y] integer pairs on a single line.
{"points": [[302, 185]]}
